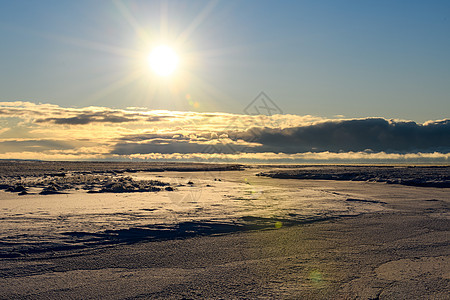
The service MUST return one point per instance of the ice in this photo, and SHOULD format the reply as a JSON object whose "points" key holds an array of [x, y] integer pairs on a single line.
{"points": [[201, 203]]}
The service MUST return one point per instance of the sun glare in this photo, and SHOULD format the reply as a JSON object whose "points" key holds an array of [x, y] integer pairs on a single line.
{"points": [[163, 60]]}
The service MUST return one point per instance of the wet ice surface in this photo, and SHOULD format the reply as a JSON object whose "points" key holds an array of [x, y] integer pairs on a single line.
{"points": [[202, 203]]}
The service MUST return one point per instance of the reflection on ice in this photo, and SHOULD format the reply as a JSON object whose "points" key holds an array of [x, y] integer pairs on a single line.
{"points": [[202, 203]]}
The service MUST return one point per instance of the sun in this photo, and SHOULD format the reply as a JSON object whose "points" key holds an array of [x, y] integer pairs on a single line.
{"points": [[163, 60]]}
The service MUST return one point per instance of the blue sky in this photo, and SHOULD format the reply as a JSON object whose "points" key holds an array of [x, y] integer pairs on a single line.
{"points": [[324, 58], [356, 80]]}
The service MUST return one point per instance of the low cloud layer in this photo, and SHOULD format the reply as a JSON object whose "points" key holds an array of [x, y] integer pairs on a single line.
{"points": [[46, 131], [33, 145], [83, 119], [368, 135], [372, 134]]}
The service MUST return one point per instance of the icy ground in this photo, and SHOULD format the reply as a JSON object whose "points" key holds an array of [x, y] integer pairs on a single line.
{"points": [[201, 203]]}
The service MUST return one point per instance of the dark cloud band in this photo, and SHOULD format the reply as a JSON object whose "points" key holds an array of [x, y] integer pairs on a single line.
{"points": [[371, 134], [375, 134]]}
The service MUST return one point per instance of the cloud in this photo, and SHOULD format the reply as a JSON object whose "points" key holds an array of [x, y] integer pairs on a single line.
{"points": [[307, 157], [46, 131], [48, 113], [356, 135], [87, 118], [182, 145], [102, 117], [33, 145], [374, 134]]}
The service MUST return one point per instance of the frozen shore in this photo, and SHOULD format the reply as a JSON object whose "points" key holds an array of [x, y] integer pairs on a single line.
{"points": [[425, 176], [372, 256], [221, 233]]}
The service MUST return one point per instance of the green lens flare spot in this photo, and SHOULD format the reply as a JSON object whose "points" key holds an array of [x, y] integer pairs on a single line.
{"points": [[315, 276], [278, 224]]}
